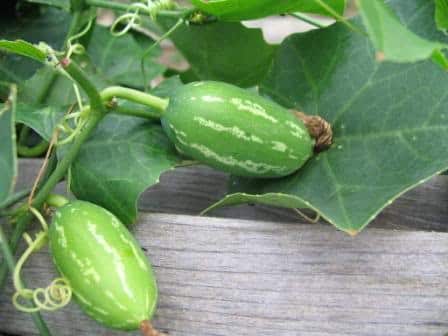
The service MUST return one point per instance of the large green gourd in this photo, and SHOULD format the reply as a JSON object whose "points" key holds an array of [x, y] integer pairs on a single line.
{"points": [[238, 10], [236, 130], [104, 265]]}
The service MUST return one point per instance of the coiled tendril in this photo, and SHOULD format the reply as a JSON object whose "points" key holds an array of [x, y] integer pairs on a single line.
{"points": [[56, 295], [53, 59], [132, 18], [78, 48]]}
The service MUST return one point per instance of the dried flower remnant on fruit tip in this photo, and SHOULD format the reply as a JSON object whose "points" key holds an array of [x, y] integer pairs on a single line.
{"points": [[319, 129]]}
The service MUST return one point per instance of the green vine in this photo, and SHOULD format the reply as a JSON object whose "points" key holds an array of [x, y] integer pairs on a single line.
{"points": [[128, 7], [97, 113], [34, 151], [93, 114]]}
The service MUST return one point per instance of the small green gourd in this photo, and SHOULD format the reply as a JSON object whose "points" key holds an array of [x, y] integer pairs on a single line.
{"points": [[108, 272], [236, 130]]}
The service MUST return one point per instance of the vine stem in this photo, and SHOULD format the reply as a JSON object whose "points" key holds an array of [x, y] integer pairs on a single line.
{"points": [[126, 7], [167, 34], [96, 114], [339, 17], [34, 151], [56, 200], [308, 19], [10, 263], [136, 111]]}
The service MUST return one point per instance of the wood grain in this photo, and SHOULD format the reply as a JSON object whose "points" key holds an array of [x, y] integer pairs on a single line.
{"points": [[236, 277], [190, 190]]}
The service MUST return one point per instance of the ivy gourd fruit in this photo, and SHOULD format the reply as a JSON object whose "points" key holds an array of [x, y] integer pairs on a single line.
{"points": [[108, 272], [236, 130]]}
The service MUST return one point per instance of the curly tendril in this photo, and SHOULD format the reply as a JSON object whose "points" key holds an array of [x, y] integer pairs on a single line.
{"points": [[77, 48], [56, 295], [73, 134], [132, 18], [53, 59], [79, 120]]}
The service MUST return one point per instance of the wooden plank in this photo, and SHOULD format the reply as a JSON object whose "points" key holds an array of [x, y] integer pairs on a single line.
{"points": [[190, 190], [236, 277]]}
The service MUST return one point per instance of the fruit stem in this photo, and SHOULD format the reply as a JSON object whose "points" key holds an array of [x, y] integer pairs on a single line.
{"points": [[135, 96], [56, 200], [147, 329], [142, 112]]}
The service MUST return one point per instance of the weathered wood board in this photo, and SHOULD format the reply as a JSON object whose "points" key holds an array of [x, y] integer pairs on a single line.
{"points": [[236, 277], [270, 275], [190, 190]]}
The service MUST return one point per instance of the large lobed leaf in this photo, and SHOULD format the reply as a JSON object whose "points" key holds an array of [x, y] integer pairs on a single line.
{"points": [[41, 119], [390, 121], [119, 58], [110, 60], [392, 39], [49, 26], [223, 51], [441, 15], [125, 156]]}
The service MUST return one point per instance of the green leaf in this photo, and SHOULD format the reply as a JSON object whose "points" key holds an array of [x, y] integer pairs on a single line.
{"points": [[118, 58], [253, 9], [49, 26], [321, 7], [125, 156], [43, 120], [61, 4], [390, 121], [109, 60], [23, 48], [251, 194], [393, 40], [442, 14], [8, 159], [223, 51], [60, 91]]}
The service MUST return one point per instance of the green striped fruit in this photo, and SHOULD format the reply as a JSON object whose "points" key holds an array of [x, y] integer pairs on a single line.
{"points": [[104, 265], [238, 10], [236, 131]]}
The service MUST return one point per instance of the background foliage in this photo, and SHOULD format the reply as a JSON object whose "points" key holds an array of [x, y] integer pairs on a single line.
{"points": [[378, 79]]}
